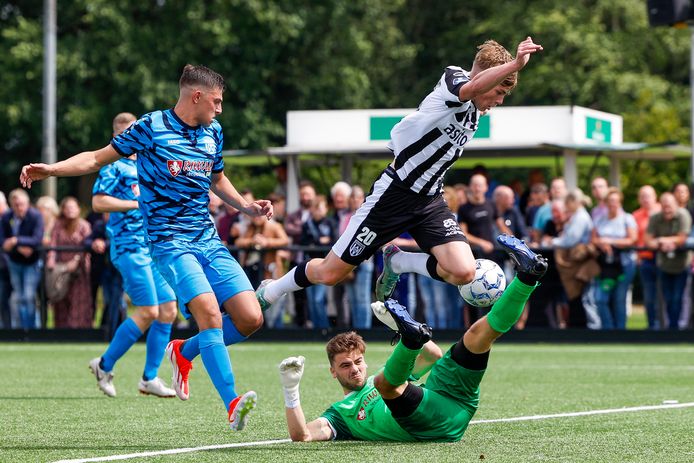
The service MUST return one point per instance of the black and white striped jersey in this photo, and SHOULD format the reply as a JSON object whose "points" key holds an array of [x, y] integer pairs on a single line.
{"points": [[427, 142]]}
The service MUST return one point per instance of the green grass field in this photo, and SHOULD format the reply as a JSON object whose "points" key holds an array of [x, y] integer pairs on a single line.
{"points": [[50, 408]]}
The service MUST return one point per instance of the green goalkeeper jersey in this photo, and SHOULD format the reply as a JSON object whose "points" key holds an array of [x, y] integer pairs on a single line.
{"points": [[363, 415]]}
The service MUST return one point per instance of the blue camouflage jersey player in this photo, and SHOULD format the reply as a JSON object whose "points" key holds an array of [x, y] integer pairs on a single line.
{"points": [[116, 192], [178, 161]]}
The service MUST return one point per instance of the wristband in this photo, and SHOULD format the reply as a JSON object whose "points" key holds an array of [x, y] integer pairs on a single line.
{"points": [[291, 396]]}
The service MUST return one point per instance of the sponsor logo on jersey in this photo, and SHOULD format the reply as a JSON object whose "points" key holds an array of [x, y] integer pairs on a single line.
{"points": [[175, 167], [361, 416], [174, 141]]}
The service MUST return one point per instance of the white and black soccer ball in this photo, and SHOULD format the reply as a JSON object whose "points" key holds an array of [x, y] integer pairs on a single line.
{"points": [[487, 286]]}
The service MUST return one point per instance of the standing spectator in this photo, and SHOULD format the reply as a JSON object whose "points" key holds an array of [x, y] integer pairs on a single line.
{"points": [[5, 285], [359, 287], [20, 234], [512, 222], [75, 310], [49, 211], [649, 205], [478, 217], [538, 196], [666, 233], [682, 196], [598, 188], [557, 190], [293, 225], [535, 177], [318, 230], [575, 265], [340, 193], [612, 233], [461, 193]]}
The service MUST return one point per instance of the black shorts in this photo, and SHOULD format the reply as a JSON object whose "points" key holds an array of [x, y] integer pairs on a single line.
{"points": [[391, 209]]}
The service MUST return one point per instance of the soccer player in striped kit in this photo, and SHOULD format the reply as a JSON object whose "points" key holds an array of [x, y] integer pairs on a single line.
{"points": [[178, 161], [407, 195]]}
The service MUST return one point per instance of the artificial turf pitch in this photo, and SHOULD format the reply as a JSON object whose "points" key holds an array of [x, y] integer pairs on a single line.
{"points": [[50, 408]]}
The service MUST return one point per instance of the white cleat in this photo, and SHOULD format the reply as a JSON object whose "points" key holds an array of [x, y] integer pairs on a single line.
{"points": [[104, 379], [239, 409], [155, 387], [379, 309]]}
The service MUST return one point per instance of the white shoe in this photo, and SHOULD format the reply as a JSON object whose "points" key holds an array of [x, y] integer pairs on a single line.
{"points": [[239, 408], [104, 379], [155, 387], [379, 309]]}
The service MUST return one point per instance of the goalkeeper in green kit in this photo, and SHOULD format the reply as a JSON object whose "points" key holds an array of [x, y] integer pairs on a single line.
{"points": [[387, 406]]}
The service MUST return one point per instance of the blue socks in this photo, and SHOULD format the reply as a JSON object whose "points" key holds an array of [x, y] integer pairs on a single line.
{"points": [[126, 335], [217, 363], [157, 338], [191, 348]]}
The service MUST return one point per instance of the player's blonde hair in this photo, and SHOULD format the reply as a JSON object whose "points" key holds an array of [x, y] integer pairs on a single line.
{"points": [[491, 54], [123, 119], [344, 342]]}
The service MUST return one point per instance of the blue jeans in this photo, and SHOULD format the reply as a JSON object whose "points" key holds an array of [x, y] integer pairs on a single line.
{"points": [[317, 305], [437, 306], [5, 288], [611, 299], [672, 286], [359, 295], [649, 283], [25, 281]]}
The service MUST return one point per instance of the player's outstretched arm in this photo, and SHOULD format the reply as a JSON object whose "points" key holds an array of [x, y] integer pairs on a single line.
{"points": [[487, 79], [222, 187], [79, 164], [106, 203], [291, 371]]}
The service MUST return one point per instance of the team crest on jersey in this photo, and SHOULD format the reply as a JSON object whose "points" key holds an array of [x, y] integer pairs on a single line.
{"points": [[210, 147], [361, 416], [356, 248], [174, 166]]}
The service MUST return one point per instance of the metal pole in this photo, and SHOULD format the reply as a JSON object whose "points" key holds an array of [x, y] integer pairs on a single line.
{"points": [[49, 154]]}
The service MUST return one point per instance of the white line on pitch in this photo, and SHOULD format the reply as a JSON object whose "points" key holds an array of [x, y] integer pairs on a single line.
{"points": [[586, 413], [284, 441]]}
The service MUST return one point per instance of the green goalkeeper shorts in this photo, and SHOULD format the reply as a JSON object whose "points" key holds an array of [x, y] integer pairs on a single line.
{"points": [[451, 398]]}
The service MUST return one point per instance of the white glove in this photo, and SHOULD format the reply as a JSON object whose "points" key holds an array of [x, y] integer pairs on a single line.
{"points": [[291, 371], [379, 309]]}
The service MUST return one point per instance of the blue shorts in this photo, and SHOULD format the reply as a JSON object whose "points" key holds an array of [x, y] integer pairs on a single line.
{"points": [[199, 267], [141, 279]]}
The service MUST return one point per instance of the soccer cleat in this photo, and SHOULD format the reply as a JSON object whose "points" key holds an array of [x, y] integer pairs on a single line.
{"points": [[525, 260], [104, 379], [181, 368], [260, 295], [239, 408], [385, 284], [407, 326], [379, 309], [155, 387]]}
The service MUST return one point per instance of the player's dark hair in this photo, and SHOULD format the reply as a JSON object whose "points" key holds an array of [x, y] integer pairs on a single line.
{"points": [[344, 342], [202, 76]]}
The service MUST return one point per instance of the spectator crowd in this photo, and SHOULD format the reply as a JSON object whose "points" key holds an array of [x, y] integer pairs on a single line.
{"points": [[597, 251]]}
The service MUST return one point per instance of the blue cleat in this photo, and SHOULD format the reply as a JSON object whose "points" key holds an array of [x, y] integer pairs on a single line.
{"points": [[385, 284], [526, 260], [408, 328]]}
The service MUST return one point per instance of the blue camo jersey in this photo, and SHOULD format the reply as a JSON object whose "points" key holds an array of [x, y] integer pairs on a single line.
{"points": [[174, 164], [125, 229]]}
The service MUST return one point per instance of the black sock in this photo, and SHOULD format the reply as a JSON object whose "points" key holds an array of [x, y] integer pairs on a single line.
{"points": [[411, 344], [101, 363], [467, 359], [431, 268], [300, 277]]}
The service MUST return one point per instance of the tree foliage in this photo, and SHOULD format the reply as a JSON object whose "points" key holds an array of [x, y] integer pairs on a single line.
{"points": [[332, 54]]}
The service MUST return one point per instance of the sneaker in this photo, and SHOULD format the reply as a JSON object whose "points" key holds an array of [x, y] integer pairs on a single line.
{"points": [[385, 284], [155, 387], [239, 409], [526, 260], [260, 295], [104, 379], [407, 326], [181, 368]]}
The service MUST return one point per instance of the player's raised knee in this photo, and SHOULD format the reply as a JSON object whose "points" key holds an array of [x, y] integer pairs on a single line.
{"points": [[382, 385], [461, 274]]}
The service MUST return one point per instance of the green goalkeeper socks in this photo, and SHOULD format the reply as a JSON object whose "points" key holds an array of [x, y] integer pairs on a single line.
{"points": [[508, 309], [400, 363]]}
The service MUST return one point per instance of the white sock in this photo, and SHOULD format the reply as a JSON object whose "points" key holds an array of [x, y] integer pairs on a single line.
{"points": [[409, 262], [277, 288]]}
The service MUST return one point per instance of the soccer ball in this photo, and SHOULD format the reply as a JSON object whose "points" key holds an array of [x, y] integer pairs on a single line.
{"points": [[487, 286]]}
